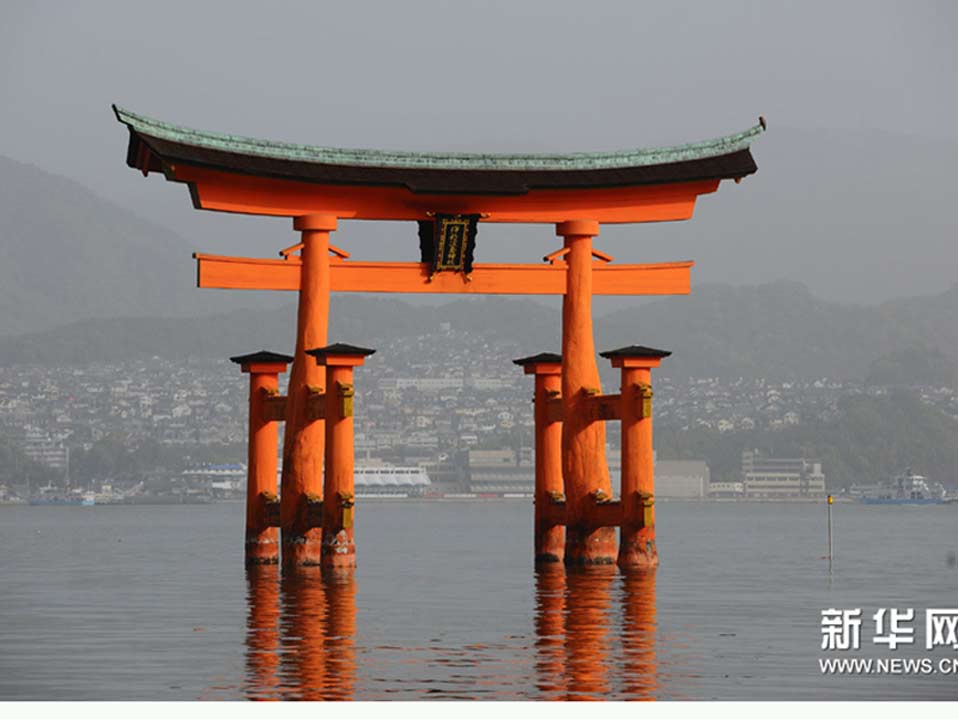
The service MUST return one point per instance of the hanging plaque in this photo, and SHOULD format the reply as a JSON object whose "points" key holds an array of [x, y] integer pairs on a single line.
{"points": [[448, 243]]}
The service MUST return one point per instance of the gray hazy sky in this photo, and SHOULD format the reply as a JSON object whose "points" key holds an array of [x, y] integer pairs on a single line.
{"points": [[529, 76]]}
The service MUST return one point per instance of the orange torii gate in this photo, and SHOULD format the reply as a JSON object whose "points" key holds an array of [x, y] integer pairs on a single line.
{"points": [[447, 194]]}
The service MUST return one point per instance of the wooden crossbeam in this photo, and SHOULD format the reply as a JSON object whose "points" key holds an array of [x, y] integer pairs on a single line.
{"points": [[601, 408], [555, 513], [607, 514], [606, 407], [270, 502], [252, 273], [601, 514], [315, 405], [227, 191], [554, 409], [274, 407], [313, 512]]}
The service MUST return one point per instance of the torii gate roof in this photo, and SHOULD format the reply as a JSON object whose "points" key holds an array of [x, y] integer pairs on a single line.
{"points": [[513, 185], [475, 173]]}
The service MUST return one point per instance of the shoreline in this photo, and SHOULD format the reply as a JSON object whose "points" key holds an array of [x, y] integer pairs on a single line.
{"points": [[468, 497]]}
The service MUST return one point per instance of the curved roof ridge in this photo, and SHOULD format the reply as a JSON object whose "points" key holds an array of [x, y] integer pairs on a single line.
{"points": [[638, 157]]}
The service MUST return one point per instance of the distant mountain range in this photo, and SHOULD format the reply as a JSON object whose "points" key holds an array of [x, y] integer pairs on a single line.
{"points": [[67, 254], [780, 330], [777, 330], [69, 258]]}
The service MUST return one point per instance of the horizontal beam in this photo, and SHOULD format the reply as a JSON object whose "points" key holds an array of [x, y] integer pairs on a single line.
{"points": [[599, 408], [315, 405], [605, 407], [554, 409], [274, 407], [270, 507], [598, 514], [554, 512], [232, 192], [605, 514], [252, 273]]}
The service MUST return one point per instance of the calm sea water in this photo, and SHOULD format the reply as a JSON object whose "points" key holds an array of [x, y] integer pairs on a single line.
{"points": [[153, 603]]}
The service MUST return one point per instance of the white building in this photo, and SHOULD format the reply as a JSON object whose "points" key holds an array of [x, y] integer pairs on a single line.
{"points": [[777, 478]]}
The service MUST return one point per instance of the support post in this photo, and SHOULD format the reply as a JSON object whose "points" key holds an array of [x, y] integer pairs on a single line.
{"points": [[637, 548], [264, 368], [303, 447], [549, 534], [338, 548], [584, 468]]}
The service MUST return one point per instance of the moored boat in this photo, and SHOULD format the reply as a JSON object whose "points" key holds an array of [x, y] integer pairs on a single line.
{"points": [[906, 488]]}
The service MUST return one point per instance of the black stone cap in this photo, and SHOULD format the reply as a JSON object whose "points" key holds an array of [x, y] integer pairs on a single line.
{"points": [[340, 349], [635, 351], [541, 358], [262, 356]]}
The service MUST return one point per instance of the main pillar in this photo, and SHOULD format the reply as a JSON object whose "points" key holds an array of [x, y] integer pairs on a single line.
{"points": [[584, 468], [264, 368], [339, 549], [303, 448], [637, 541], [549, 492]]}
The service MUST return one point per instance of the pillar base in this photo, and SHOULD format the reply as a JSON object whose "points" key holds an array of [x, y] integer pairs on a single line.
{"points": [[550, 544], [339, 551], [262, 548], [637, 550], [585, 546], [304, 550]]}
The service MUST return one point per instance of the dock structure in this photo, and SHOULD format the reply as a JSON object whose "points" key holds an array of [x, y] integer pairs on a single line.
{"points": [[449, 196]]}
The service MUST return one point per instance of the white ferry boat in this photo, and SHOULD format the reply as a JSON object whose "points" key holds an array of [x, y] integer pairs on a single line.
{"points": [[906, 488], [389, 481], [385, 481]]}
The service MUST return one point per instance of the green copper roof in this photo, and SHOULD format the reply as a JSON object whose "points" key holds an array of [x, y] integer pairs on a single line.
{"points": [[438, 160]]}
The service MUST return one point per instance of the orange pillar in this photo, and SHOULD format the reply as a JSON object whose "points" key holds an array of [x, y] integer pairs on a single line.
{"points": [[303, 449], [637, 542], [584, 468], [338, 549], [549, 534], [264, 369]]}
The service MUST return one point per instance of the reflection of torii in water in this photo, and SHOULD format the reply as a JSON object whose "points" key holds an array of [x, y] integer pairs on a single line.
{"points": [[300, 634], [301, 637], [319, 186], [577, 634]]}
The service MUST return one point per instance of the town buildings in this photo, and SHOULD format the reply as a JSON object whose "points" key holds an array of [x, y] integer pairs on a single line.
{"points": [[451, 403]]}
